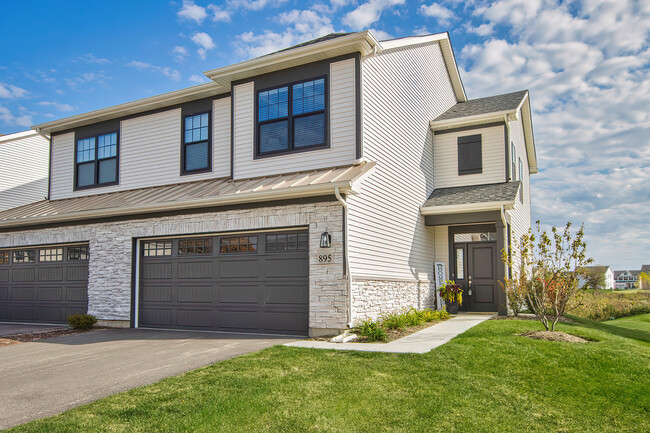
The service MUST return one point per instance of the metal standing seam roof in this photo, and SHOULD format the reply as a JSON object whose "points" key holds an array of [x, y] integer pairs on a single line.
{"points": [[494, 192], [491, 104], [204, 193]]}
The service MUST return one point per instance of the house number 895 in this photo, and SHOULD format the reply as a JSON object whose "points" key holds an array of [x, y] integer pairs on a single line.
{"points": [[324, 258]]}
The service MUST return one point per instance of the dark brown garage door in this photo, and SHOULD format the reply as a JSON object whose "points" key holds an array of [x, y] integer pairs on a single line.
{"points": [[257, 282], [43, 284]]}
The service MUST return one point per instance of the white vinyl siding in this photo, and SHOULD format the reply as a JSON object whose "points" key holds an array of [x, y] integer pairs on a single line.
{"points": [[442, 246], [520, 219], [221, 132], [342, 130], [446, 158], [23, 169], [403, 89], [149, 153]]}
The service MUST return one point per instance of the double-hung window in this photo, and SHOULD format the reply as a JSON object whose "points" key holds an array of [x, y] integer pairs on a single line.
{"points": [[96, 161], [521, 179], [196, 152], [292, 117], [513, 156]]}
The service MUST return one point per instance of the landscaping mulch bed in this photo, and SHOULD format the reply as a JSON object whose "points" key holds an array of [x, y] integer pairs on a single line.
{"points": [[393, 334], [553, 336], [34, 336]]}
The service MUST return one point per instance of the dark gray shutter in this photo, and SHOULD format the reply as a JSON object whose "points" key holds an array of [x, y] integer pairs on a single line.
{"points": [[469, 155]]}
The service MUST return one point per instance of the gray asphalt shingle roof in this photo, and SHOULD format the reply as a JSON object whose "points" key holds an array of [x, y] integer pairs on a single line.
{"points": [[506, 191], [313, 41], [491, 104]]}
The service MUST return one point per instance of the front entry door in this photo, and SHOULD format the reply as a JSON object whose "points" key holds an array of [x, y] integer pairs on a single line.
{"points": [[475, 269]]}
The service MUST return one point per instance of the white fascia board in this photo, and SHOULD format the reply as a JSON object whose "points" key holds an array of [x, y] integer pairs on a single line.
{"points": [[17, 136], [363, 42], [249, 197], [412, 40], [527, 122], [468, 207], [159, 101], [497, 116]]}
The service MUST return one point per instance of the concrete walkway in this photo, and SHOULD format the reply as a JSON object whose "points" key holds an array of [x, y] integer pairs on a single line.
{"points": [[421, 342]]}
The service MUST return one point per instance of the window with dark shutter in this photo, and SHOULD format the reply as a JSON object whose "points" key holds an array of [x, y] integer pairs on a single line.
{"points": [[469, 155]]}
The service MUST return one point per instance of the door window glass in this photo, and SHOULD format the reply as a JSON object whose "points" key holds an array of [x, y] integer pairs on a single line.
{"points": [[460, 264], [475, 237]]}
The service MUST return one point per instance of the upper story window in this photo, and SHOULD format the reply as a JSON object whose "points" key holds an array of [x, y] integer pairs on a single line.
{"points": [[197, 150], [96, 161], [292, 118], [470, 159]]}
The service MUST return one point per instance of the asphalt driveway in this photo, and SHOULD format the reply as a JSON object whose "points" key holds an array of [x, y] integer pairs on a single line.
{"points": [[46, 377], [24, 328]]}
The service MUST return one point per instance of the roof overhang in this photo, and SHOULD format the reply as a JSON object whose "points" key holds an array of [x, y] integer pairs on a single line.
{"points": [[362, 42], [133, 107], [16, 136], [468, 207], [522, 112]]}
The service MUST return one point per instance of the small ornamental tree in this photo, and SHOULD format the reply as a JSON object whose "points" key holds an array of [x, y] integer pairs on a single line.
{"points": [[594, 279], [550, 266]]}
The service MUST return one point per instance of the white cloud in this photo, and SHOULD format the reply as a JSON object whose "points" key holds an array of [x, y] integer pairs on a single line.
{"points": [[255, 5], [437, 11], [192, 12], [368, 13], [22, 120], [91, 58], [588, 70], [302, 25], [9, 91], [180, 53], [173, 74], [204, 41], [484, 29], [381, 35], [199, 79], [56, 105], [219, 14], [75, 83]]}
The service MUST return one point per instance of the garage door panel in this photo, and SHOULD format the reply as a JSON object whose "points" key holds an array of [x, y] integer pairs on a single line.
{"points": [[285, 267], [156, 294], [50, 274], [51, 314], [285, 321], [157, 270], [195, 294], [244, 294], [156, 317], [77, 273], [23, 274], [4, 312], [4, 293], [238, 319], [4, 275], [241, 290], [68, 310], [287, 294], [195, 318], [21, 312], [50, 294], [76, 294], [195, 270], [20, 293]]}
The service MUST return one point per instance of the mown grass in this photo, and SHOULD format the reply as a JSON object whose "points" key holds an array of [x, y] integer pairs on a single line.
{"points": [[485, 380]]}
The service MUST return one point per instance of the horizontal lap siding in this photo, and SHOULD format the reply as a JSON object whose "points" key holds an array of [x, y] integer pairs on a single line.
{"points": [[493, 158], [403, 90], [23, 173], [342, 130], [520, 218], [149, 153]]}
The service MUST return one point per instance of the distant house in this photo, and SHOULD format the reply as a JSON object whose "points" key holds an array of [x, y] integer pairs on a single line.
{"points": [[24, 160], [626, 279], [606, 270]]}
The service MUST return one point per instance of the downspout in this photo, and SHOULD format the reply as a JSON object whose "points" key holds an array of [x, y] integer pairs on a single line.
{"points": [[346, 252]]}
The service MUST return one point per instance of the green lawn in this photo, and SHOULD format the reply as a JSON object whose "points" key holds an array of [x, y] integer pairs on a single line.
{"points": [[486, 380]]}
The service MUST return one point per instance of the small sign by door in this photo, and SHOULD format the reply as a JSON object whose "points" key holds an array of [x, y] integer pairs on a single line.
{"points": [[441, 276]]}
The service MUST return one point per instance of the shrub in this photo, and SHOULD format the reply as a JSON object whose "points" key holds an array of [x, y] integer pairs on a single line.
{"points": [[81, 321], [394, 321], [372, 331], [414, 317]]}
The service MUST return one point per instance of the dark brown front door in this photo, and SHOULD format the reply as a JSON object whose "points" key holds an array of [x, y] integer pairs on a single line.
{"points": [[474, 266]]}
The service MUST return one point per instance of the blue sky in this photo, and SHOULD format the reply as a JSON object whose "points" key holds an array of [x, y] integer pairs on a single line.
{"points": [[587, 65]]}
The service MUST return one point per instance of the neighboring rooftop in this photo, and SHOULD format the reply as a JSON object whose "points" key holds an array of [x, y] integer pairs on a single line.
{"points": [[494, 192], [313, 41], [597, 268], [491, 104]]}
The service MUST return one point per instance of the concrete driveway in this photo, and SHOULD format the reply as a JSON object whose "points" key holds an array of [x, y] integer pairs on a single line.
{"points": [[46, 377]]}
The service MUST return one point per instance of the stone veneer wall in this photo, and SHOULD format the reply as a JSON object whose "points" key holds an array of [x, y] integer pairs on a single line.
{"points": [[111, 243], [372, 298]]}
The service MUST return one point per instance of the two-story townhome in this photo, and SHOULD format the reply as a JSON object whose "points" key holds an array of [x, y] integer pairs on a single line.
{"points": [[295, 193], [24, 160], [626, 279]]}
